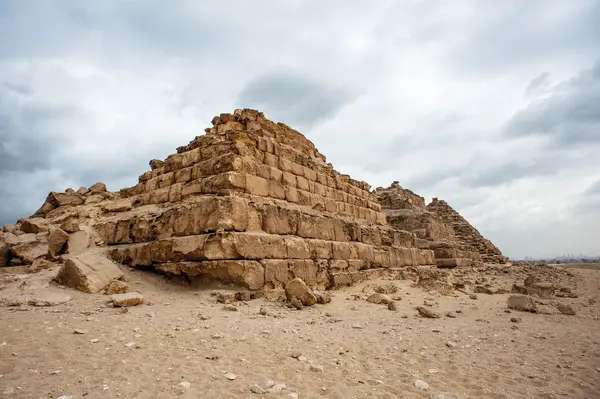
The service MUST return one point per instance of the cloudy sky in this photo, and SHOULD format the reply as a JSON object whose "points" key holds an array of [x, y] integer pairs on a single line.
{"points": [[493, 106]]}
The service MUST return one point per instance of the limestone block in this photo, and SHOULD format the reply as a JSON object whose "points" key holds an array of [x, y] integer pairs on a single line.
{"points": [[289, 180], [309, 174], [337, 265], [322, 179], [175, 192], [305, 270], [260, 246], [320, 249], [355, 265], [276, 175], [310, 226], [272, 160], [192, 188], [278, 220], [263, 171], [257, 185], [249, 274], [291, 194], [88, 273], [189, 158], [57, 238], [151, 185], [301, 183], [225, 181], [276, 189], [203, 169], [276, 272], [159, 196], [166, 179], [297, 248], [304, 198], [297, 169], [285, 165]]}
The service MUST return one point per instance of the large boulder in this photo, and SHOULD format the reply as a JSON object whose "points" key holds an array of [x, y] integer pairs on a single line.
{"points": [[4, 254], [57, 240], [297, 288], [30, 250], [98, 188], [34, 225], [88, 273]]}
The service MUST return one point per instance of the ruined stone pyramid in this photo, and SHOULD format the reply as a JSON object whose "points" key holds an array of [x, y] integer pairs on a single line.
{"points": [[255, 203], [437, 227]]}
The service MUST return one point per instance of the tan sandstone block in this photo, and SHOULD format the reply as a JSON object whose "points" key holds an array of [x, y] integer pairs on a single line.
{"points": [[315, 227], [289, 179], [260, 246], [297, 169], [272, 160], [276, 190], [250, 274], [301, 183], [304, 198], [278, 220], [191, 188], [151, 185], [304, 269], [285, 165], [291, 194], [319, 189], [330, 205], [166, 179], [320, 249], [276, 272], [355, 265], [263, 171], [225, 181], [190, 158], [183, 175], [276, 175], [160, 196], [257, 185], [322, 179], [297, 248], [309, 174], [338, 265]]}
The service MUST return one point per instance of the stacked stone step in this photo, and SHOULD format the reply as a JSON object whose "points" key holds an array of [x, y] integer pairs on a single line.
{"points": [[466, 234], [406, 210], [255, 203]]}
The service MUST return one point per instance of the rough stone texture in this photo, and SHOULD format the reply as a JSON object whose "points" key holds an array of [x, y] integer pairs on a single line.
{"points": [[5, 254], [299, 290], [523, 303], [57, 239], [466, 233], [251, 202], [116, 287], [127, 299], [406, 210], [88, 273]]}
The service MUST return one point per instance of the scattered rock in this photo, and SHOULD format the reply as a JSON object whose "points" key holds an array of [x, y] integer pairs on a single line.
{"points": [[427, 313], [98, 188], [473, 296], [226, 297], [523, 303], [79, 331], [515, 319], [422, 385], [297, 288], [116, 287], [451, 315], [230, 308], [317, 368], [451, 344], [230, 376], [127, 299], [5, 254], [296, 303], [322, 297], [184, 385], [392, 306], [565, 309], [88, 273], [41, 264], [379, 299]]}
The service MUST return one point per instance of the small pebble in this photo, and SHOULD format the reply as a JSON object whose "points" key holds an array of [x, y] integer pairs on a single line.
{"points": [[230, 376], [422, 385], [79, 331]]}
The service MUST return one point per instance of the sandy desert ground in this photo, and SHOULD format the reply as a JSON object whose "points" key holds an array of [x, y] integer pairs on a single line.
{"points": [[181, 343]]}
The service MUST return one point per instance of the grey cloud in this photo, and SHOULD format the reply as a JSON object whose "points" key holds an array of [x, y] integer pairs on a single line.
{"points": [[515, 33], [538, 84], [594, 189], [569, 117], [293, 97]]}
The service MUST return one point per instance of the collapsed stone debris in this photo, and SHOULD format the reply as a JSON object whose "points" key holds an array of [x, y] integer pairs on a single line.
{"points": [[252, 203]]}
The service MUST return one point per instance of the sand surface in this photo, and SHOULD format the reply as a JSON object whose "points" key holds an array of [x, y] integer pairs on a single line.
{"points": [[183, 344]]}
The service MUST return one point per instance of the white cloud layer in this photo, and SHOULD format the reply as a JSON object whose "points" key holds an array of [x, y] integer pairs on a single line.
{"points": [[493, 106]]}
